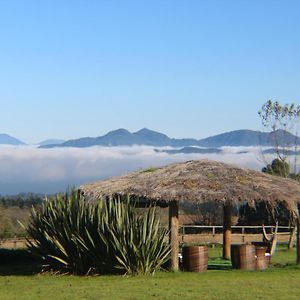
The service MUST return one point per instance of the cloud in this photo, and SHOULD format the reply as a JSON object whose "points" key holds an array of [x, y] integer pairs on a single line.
{"points": [[29, 169]]}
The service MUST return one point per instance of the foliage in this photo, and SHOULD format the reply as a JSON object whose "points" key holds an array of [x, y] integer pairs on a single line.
{"points": [[53, 230], [77, 237], [282, 120], [136, 241], [22, 200], [277, 283], [6, 227], [149, 170], [9, 221], [278, 116], [278, 167], [280, 282], [13, 209]]}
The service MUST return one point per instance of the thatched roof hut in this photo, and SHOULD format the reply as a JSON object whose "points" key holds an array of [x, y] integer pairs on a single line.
{"points": [[199, 181]]}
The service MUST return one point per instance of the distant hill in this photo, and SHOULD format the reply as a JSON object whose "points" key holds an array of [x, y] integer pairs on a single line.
{"points": [[123, 137], [51, 142], [9, 140], [249, 138], [191, 150]]}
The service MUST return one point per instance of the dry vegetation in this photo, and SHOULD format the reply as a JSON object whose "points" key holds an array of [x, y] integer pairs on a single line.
{"points": [[199, 181]]}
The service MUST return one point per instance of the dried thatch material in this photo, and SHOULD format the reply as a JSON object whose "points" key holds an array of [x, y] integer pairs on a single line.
{"points": [[200, 181]]}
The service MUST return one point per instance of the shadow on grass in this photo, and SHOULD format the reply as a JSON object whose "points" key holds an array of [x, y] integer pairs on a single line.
{"points": [[286, 266], [219, 264], [18, 262], [21, 262]]}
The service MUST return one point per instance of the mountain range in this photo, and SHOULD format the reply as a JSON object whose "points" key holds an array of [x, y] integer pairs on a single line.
{"points": [[51, 142], [6, 139], [123, 137]]}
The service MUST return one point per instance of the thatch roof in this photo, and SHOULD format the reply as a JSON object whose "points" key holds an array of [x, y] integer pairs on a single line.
{"points": [[199, 181]]}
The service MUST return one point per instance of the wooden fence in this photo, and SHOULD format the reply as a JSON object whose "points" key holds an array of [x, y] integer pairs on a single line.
{"points": [[13, 243], [240, 234], [201, 234]]}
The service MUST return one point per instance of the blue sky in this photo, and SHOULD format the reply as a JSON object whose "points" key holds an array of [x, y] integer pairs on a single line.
{"points": [[186, 68]]}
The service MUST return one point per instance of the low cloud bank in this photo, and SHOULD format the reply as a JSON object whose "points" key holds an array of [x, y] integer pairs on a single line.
{"points": [[29, 169]]}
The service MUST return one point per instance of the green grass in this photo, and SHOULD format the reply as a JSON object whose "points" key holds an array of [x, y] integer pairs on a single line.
{"points": [[275, 284], [149, 170], [280, 282]]}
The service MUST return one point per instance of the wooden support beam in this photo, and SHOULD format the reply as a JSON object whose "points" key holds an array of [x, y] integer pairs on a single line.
{"points": [[174, 235], [227, 230], [298, 240]]}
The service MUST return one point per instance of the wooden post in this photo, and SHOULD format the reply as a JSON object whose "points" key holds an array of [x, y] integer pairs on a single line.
{"points": [[292, 236], [298, 240], [174, 241], [227, 231], [243, 234]]}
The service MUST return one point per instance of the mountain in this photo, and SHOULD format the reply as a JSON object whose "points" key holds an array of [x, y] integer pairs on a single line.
{"points": [[9, 140], [119, 137], [191, 150], [283, 137], [152, 138], [250, 138], [233, 138], [123, 137], [51, 142]]}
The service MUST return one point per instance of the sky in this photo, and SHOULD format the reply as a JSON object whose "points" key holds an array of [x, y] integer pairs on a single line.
{"points": [[185, 68]]}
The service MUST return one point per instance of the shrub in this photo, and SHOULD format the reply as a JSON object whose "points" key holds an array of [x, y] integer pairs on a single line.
{"points": [[77, 237], [278, 167], [136, 240], [53, 230], [6, 226]]}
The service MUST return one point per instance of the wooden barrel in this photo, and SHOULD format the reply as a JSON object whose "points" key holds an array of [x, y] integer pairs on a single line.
{"points": [[243, 257], [262, 261], [195, 258], [263, 244]]}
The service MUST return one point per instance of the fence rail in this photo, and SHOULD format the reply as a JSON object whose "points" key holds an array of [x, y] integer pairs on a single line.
{"points": [[13, 243], [211, 234], [243, 229], [240, 234]]}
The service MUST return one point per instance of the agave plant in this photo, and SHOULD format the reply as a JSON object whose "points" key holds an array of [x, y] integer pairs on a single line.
{"points": [[137, 241], [53, 231], [106, 237]]}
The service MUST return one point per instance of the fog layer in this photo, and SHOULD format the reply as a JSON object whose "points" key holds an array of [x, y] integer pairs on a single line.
{"points": [[29, 169]]}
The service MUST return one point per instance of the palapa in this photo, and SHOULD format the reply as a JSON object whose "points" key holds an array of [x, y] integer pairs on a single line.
{"points": [[199, 181]]}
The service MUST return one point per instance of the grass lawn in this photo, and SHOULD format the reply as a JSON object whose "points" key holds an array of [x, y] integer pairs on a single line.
{"points": [[282, 281]]}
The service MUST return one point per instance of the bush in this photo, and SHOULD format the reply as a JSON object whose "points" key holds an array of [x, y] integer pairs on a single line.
{"points": [[135, 240], [278, 167], [77, 237], [6, 226]]}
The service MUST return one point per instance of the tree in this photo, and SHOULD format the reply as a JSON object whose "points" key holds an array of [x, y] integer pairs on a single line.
{"points": [[283, 122], [278, 167], [6, 227]]}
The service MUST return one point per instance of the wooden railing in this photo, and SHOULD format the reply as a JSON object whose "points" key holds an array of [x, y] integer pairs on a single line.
{"points": [[185, 230], [242, 231], [13, 243]]}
